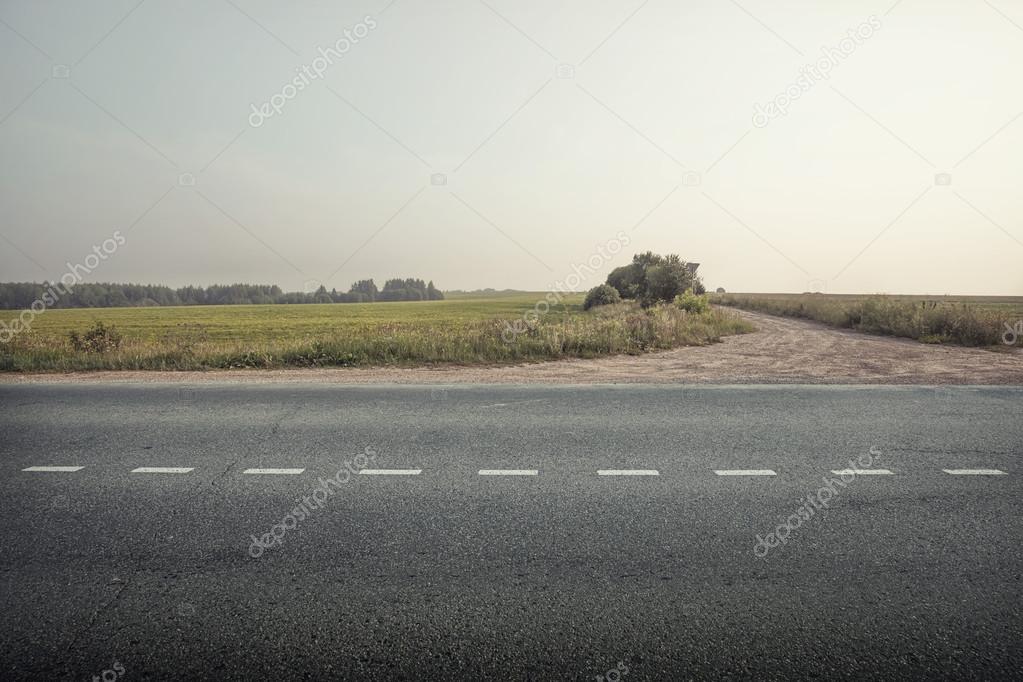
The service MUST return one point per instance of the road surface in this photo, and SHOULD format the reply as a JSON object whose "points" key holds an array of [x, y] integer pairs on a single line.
{"points": [[313, 531]]}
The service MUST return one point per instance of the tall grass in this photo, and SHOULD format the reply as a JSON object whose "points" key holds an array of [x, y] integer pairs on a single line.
{"points": [[929, 321], [607, 330]]}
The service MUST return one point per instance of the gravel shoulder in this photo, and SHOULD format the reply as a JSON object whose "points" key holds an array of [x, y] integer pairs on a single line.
{"points": [[781, 351]]}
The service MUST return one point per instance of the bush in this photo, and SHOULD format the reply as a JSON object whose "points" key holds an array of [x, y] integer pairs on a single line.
{"points": [[99, 339], [652, 279], [601, 295], [691, 303]]}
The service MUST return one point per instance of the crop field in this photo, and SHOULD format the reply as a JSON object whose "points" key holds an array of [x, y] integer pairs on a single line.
{"points": [[248, 323], [963, 320], [465, 329]]}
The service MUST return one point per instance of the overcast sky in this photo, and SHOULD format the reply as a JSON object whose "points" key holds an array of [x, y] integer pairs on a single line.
{"points": [[499, 143]]}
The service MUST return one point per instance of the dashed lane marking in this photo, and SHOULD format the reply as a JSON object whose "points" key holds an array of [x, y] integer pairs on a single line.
{"points": [[745, 472], [628, 472], [60, 469], [163, 470], [519, 472]]}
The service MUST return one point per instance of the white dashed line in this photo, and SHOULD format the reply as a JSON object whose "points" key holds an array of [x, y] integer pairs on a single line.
{"points": [[520, 472], [64, 469], [163, 470], [509, 472], [628, 472], [745, 472]]}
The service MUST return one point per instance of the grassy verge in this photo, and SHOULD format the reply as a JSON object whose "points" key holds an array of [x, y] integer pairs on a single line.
{"points": [[968, 322], [463, 332]]}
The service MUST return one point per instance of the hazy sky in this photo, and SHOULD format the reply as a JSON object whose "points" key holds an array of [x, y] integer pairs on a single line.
{"points": [[553, 125]]}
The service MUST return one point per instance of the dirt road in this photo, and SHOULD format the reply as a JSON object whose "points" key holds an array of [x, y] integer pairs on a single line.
{"points": [[781, 351]]}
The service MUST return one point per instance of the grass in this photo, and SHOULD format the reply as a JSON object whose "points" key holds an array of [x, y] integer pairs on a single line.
{"points": [[963, 320], [467, 330]]}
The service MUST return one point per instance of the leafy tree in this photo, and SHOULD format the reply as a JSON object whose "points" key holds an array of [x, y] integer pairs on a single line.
{"points": [[321, 295], [406, 290], [651, 278], [365, 290], [627, 280], [603, 294], [665, 280]]}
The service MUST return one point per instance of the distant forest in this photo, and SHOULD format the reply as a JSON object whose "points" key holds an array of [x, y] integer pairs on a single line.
{"points": [[21, 295]]}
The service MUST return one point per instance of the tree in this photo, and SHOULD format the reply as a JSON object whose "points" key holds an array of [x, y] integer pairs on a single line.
{"points": [[666, 280], [651, 278], [365, 289], [627, 280], [603, 294], [321, 295], [631, 280]]}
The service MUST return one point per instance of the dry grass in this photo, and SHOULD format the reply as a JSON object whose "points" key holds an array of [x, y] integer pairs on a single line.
{"points": [[967, 321], [468, 331]]}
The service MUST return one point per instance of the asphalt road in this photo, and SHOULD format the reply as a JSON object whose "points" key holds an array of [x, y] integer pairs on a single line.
{"points": [[558, 572]]}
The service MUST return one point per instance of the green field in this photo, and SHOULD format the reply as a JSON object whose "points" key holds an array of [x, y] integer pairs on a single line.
{"points": [[963, 320], [466, 329], [259, 323]]}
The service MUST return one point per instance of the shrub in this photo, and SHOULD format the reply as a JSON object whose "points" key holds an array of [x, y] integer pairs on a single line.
{"points": [[691, 303], [652, 278], [601, 295], [99, 339]]}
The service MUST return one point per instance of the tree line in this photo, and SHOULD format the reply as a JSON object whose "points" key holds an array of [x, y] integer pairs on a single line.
{"points": [[21, 295]]}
